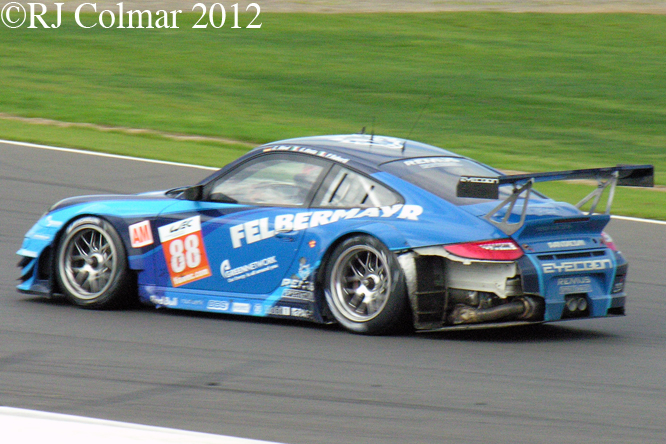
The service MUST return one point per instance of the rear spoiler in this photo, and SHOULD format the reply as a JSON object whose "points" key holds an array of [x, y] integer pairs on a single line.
{"points": [[488, 188]]}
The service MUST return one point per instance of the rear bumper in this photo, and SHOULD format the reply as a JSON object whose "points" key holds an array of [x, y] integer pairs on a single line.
{"points": [[448, 293]]}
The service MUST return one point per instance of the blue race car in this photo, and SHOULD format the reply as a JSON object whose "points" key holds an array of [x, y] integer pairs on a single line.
{"points": [[375, 233]]}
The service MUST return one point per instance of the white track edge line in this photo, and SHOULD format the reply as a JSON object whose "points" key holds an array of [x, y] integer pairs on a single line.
{"points": [[189, 165], [638, 219], [112, 156], [41, 426]]}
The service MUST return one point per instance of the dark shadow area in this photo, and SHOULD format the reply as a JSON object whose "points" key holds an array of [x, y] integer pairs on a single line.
{"points": [[243, 318], [56, 300], [524, 333]]}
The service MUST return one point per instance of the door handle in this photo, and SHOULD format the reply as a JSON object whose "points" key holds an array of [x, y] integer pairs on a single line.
{"points": [[286, 236]]}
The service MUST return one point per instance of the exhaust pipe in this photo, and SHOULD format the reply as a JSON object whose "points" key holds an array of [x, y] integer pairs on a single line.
{"points": [[523, 308]]}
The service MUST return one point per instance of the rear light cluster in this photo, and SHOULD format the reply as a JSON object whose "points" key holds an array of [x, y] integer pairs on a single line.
{"points": [[608, 241], [492, 250]]}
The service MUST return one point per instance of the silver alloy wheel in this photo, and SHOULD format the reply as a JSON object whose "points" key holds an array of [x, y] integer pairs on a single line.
{"points": [[89, 262], [361, 283]]}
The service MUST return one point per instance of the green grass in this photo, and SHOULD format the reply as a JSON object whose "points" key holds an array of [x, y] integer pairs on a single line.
{"points": [[527, 92], [635, 202], [206, 153]]}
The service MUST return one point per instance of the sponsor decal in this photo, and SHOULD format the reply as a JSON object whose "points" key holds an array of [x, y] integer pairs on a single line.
{"points": [[216, 305], [432, 162], [248, 270], [307, 150], [192, 302], [297, 284], [304, 268], [141, 234], [488, 180], [567, 244], [259, 229], [300, 313], [375, 141], [301, 295], [300, 281], [164, 301], [184, 252], [312, 243], [573, 267], [241, 307], [280, 310], [258, 309], [574, 285], [574, 280]]}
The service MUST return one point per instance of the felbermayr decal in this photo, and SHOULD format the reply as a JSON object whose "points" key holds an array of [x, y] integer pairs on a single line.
{"points": [[184, 251], [579, 266], [259, 229], [248, 270]]}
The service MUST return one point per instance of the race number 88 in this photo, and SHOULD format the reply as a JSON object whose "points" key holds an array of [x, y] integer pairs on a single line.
{"points": [[185, 253]]}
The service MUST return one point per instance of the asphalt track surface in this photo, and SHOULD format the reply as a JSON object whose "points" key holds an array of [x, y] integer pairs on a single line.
{"points": [[592, 381]]}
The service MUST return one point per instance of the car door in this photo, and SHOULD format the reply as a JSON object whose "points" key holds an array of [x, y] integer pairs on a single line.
{"points": [[240, 239]]}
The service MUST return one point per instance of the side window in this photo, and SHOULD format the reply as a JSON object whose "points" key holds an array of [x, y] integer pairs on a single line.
{"points": [[344, 188], [272, 179]]}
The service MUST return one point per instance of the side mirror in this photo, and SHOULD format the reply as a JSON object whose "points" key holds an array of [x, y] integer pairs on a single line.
{"points": [[193, 193]]}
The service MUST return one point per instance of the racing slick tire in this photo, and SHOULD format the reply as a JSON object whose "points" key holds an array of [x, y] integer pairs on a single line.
{"points": [[365, 287], [91, 265]]}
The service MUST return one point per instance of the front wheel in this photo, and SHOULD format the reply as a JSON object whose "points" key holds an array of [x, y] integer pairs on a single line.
{"points": [[365, 286], [91, 264]]}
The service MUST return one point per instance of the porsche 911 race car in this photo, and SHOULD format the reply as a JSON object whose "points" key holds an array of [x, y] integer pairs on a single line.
{"points": [[371, 232]]}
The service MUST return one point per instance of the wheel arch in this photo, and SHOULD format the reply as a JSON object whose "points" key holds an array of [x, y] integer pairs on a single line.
{"points": [[386, 234], [390, 236], [119, 224]]}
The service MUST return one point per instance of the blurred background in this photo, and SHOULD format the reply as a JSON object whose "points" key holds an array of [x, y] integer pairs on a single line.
{"points": [[528, 91]]}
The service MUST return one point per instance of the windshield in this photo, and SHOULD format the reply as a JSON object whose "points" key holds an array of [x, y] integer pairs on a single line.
{"points": [[439, 175]]}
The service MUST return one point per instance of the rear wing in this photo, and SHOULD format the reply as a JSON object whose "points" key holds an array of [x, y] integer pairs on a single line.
{"points": [[488, 188]]}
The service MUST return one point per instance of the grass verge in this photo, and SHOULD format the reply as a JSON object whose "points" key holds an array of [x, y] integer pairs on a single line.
{"points": [[530, 92]]}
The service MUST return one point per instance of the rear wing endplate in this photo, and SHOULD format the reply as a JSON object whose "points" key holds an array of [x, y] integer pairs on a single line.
{"points": [[488, 188]]}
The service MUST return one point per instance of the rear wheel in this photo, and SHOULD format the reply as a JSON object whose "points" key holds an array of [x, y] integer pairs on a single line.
{"points": [[365, 286], [91, 264]]}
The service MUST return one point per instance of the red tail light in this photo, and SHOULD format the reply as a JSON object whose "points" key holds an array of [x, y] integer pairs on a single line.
{"points": [[492, 250], [608, 241]]}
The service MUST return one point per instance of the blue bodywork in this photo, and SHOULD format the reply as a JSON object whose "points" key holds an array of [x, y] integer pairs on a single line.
{"points": [[249, 267]]}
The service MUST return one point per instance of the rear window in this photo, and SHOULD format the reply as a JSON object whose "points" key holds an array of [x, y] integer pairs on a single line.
{"points": [[344, 188], [439, 175]]}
